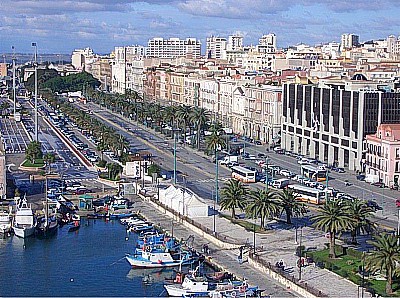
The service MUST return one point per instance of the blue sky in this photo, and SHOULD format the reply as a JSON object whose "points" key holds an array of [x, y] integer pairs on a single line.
{"points": [[60, 26]]}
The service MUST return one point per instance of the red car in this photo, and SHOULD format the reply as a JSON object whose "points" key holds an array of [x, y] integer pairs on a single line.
{"points": [[81, 191], [398, 203]]}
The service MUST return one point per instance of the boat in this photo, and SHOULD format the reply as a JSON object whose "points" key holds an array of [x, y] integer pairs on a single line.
{"points": [[75, 224], [191, 286], [47, 225], [156, 257], [5, 222], [120, 215], [24, 223], [96, 215]]}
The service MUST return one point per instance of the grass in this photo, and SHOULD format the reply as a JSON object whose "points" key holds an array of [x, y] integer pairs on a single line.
{"points": [[347, 266], [39, 163]]}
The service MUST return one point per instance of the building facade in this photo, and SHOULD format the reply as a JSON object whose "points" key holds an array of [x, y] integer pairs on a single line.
{"points": [[383, 154], [173, 47], [330, 121], [216, 47]]}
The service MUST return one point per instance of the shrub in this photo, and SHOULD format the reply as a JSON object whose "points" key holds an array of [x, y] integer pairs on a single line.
{"points": [[102, 163], [354, 253]]}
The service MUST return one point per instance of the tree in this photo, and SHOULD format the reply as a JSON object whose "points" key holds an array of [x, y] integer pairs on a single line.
{"points": [[233, 196], [263, 204], [49, 158], [361, 213], [114, 170], [290, 205], [33, 151], [214, 143], [154, 169], [199, 117], [183, 115], [384, 257], [333, 218]]}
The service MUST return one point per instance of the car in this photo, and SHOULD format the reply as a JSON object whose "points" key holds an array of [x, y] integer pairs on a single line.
{"points": [[232, 164], [398, 203], [360, 177], [74, 186], [320, 186], [378, 184], [374, 205], [258, 143], [261, 155], [81, 191]]}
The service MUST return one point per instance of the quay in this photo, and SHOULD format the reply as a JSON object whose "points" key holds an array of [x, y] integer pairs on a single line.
{"points": [[259, 270]]}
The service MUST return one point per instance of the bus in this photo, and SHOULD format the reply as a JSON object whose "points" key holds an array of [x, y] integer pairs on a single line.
{"points": [[307, 194], [244, 174], [314, 173]]}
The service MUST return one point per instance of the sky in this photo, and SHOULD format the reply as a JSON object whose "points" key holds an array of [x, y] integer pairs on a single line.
{"points": [[60, 26]]}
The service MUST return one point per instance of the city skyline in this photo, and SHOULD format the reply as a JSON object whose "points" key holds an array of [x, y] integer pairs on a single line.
{"points": [[62, 26]]}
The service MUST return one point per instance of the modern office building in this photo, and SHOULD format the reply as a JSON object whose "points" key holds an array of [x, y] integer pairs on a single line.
{"points": [[329, 121], [173, 47], [383, 154], [235, 42]]}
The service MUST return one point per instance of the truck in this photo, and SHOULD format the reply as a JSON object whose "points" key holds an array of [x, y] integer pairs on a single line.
{"points": [[371, 178], [229, 159]]}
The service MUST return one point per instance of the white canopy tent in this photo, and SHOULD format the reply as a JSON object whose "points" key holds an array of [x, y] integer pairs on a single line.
{"points": [[183, 201]]}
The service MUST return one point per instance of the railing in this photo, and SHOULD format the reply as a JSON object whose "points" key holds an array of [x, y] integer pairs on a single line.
{"points": [[220, 237], [289, 277]]}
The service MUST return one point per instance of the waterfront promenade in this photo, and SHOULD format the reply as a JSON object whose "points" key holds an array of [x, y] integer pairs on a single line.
{"points": [[276, 244]]}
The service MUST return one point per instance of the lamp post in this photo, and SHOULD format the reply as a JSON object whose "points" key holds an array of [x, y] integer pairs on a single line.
{"points": [[326, 186], [266, 173], [36, 91], [14, 94], [254, 236], [174, 156], [300, 251], [214, 212]]}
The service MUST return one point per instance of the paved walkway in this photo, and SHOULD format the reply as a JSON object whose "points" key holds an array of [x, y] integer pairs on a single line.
{"points": [[226, 258], [277, 243]]}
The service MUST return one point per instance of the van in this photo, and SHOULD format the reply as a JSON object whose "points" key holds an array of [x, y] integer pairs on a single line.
{"points": [[280, 183]]}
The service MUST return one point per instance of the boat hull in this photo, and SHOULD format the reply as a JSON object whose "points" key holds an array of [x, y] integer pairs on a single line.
{"points": [[141, 263], [174, 291], [24, 232], [5, 228]]}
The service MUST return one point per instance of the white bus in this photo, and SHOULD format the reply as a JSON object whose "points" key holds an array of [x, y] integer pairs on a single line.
{"points": [[308, 194], [244, 174]]}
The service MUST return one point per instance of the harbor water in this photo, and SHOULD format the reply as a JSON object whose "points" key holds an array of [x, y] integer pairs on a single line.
{"points": [[87, 262]]}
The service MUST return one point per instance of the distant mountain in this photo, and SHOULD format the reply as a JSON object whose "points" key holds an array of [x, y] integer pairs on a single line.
{"points": [[22, 58]]}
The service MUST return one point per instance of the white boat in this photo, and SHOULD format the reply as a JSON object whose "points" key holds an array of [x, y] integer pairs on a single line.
{"points": [[190, 287], [154, 258], [5, 222], [24, 224]]}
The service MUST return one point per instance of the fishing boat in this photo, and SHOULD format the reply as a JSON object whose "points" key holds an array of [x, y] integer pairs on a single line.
{"points": [[156, 257], [47, 225], [75, 224], [5, 222], [191, 286], [24, 223]]}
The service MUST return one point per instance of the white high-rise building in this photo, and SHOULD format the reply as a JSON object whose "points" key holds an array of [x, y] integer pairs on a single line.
{"points": [[349, 41], [80, 57], [267, 43], [173, 47], [216, 47], [235, 42]]}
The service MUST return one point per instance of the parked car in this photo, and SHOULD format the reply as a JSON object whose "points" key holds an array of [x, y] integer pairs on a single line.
{"points": [[258, 143], [360, 177], [261, 155], [374, 205], [378, 184], [81, 191], [398, 203]]}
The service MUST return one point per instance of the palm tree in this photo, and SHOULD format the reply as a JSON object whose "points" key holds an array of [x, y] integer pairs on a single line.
{"points": [[214, 143], [49, 158], [333, 218], [360, 212], [33, 151], [263, 204], [183, 115], [199, 117], [290, 205], [233, 196], [384, 257]]}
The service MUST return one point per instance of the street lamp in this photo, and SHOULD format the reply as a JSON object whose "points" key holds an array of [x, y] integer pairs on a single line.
{"points": [[266, 172], [174, 132], [36, 91]]}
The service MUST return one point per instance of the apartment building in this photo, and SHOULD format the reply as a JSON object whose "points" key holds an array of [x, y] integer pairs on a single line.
{"points": [[383, 154], [173, 47], [81, 57], [101, 70], [216, 47], [330, 120], [267, 43], [349, 40]]}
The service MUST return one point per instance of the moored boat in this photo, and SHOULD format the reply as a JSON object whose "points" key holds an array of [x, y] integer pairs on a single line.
{"points": [[75, 224], [151, 257], [24, 223], [5, 222]]}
